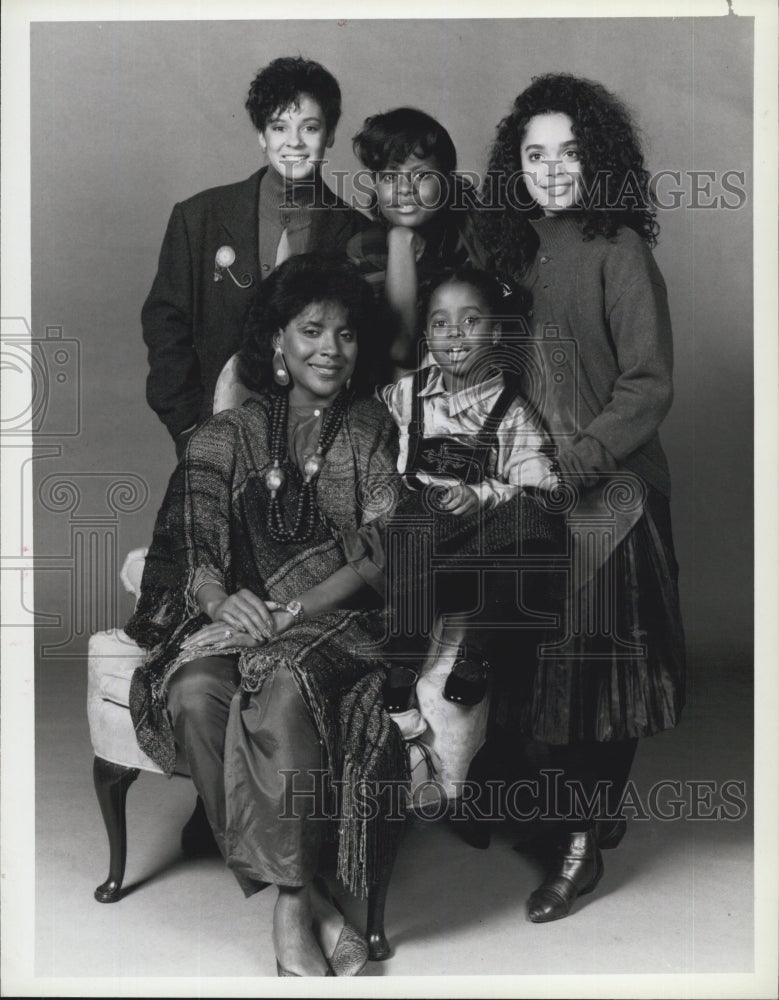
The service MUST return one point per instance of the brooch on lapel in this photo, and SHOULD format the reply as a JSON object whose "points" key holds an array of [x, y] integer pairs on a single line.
{"points": [[224, 259]]}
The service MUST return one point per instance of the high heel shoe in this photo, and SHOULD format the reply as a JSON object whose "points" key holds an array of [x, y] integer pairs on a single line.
{"points": [[577, 872], [350, 955], [467, 683]]}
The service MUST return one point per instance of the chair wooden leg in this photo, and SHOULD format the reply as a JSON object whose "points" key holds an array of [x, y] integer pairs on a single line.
{"points": [[378, 946], [111, 784]]}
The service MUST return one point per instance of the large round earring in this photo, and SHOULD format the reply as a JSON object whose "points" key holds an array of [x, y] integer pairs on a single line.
{"points": [[280, 371]]}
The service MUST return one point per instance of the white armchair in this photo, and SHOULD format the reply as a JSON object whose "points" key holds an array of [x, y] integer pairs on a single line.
{"points": [[454, 734]]}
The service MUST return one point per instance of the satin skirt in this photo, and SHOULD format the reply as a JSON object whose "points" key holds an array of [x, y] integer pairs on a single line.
{"points": [[258, 764]]}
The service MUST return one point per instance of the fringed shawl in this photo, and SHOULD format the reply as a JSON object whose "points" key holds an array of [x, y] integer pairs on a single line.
{"points": [[212, 525]]}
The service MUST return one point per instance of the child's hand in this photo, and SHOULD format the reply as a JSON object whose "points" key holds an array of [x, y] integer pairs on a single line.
{"points": [[467, 503], [455, 497]]}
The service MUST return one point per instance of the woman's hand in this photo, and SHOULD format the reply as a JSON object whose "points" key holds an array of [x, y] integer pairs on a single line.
{"points": [[217, 636], [245, 612]]}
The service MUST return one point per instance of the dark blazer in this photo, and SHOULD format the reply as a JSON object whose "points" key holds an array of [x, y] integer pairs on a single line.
{"points": [[192, 322]]}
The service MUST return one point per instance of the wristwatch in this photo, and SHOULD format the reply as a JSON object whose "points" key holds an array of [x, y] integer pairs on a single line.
{"points": [[295, 608]]}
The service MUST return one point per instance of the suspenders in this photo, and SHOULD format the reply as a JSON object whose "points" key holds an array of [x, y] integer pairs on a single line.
{"points": [[445, 455]]}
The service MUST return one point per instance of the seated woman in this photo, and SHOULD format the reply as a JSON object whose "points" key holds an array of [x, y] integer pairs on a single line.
{"points": [[261, 634]]}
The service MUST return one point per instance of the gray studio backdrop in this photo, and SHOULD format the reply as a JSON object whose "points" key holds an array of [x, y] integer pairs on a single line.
{"points": [[128, 118]]}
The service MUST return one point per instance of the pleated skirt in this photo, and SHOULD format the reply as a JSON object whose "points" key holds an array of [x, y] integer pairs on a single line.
{"points": [[613, 667]]}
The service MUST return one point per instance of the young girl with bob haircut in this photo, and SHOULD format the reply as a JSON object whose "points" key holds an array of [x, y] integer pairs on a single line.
{"points": [[423, 211], [575, 228]]}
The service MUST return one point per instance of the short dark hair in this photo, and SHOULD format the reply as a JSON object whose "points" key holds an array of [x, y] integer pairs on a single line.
{"points": [[394, 136], [279, 85], [297, 283]]}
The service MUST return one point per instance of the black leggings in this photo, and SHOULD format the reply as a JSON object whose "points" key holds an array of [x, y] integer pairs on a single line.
{"points": [[584, 767]]}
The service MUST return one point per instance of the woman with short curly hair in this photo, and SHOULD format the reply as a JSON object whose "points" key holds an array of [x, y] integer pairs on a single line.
{"points": [[222, 243]]}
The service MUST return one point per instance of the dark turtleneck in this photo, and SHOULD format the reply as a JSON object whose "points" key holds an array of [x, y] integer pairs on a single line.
{"points": [[284, 205]]}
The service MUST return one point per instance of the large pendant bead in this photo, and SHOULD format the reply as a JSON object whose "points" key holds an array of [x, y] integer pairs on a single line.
{"points": [[275, 478], [312, 466]]}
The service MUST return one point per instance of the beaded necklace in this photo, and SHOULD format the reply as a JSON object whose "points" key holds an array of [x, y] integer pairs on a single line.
{"points": [[275, 477]]}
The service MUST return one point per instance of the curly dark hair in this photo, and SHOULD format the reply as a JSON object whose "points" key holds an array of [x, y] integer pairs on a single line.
{"points": [[297, 283], [615, 181], [279, 85]]}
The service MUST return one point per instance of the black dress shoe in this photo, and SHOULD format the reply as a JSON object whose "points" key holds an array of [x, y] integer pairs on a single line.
{"points": [[577, 872], [467, 683], [197, 837]]}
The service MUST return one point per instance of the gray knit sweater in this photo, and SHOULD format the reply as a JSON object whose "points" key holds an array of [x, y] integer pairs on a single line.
{"points": [[609, 298]]}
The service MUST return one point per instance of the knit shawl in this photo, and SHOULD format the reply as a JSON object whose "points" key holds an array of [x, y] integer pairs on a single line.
{"points": [[212, 525]]}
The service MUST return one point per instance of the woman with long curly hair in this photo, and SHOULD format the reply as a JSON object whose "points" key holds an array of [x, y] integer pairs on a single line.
{"points": [[572, 223]]}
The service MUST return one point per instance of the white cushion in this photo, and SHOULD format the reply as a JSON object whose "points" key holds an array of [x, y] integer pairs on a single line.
{"points": [[112, 659]]}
